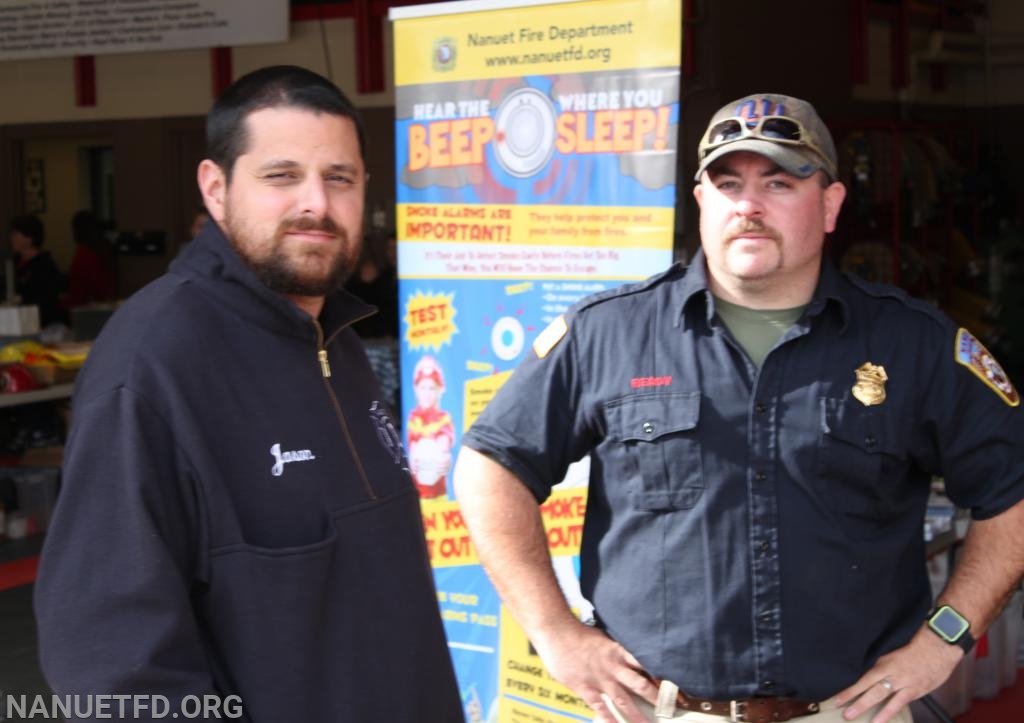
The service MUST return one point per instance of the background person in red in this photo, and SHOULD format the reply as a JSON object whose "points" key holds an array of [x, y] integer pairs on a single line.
{"points": [[91, 277]]}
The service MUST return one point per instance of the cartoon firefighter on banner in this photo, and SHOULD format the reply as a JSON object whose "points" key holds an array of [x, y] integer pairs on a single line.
{"points": [[431, 433]]}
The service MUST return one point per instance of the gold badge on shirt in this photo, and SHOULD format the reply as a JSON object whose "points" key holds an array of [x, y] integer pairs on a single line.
{"points": [[870, 387]]}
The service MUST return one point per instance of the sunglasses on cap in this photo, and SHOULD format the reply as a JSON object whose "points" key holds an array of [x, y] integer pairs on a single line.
{"points": [[772, 128]]}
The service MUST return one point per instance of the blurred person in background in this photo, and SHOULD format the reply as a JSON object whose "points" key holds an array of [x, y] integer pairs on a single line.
{"points": [[37, 280], [375, 281], [92, 277]]}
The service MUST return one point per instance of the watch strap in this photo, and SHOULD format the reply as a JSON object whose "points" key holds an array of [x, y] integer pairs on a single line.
{"points": [[966, 642]]}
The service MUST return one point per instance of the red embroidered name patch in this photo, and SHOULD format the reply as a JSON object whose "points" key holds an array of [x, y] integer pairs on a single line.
{"points": [[637, 382]]}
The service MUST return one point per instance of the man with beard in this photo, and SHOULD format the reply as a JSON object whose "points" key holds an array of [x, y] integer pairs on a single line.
{"points": [[237, 528], [762, 432]]}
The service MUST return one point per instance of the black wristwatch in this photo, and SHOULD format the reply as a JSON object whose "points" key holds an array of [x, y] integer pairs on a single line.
{"points": [[952, 627]]}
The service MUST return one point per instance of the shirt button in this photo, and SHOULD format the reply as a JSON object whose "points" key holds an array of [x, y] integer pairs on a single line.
{"points": [[870, 441], [648, 428], [760, 476], [768, 684], [760, 409]]}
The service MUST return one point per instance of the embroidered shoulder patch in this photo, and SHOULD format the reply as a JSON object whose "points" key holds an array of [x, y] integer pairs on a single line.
{"points": [[547, 339], [972, 354]]}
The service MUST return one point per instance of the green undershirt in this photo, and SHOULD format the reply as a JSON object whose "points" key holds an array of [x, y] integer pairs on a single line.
{"points": [[756, 330]]}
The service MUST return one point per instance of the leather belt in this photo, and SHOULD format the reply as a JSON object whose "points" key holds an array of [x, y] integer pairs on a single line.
{"points": [[749, 710]]}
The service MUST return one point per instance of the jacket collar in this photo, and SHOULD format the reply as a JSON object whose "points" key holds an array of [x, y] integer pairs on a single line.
{"points": [[212, 262]]}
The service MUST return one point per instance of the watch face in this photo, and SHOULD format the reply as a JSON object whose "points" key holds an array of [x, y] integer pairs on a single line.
{"points": [[948, 623]]}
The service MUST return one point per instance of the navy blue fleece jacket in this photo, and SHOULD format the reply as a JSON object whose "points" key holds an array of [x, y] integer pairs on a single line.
{"points": [[234, 521]]}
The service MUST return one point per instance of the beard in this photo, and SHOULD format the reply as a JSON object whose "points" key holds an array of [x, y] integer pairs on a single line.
{"points": [[313, 271]]}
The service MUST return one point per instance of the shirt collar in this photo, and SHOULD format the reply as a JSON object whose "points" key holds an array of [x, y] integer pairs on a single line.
{"points": [[830, 289], [695, 283]]}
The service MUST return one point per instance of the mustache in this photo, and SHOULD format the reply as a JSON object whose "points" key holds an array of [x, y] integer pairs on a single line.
{"points": [[751, 225], [307, 223]]}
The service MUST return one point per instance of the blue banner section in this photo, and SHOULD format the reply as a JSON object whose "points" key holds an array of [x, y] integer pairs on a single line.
{"points": [[471, 610], [558, 140], [457, 333]]}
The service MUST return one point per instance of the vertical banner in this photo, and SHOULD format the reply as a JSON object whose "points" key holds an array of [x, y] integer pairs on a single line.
{"points": [[536, 164]]}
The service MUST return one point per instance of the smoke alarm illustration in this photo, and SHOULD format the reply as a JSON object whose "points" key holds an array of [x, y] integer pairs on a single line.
{"points": [[524, 132], [507, 338]]}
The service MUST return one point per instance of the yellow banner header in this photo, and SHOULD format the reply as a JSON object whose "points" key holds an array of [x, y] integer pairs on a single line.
{"points": [[555, 39]]}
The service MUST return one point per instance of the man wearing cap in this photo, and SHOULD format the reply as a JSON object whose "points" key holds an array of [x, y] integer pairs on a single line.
{"points": [[763, 431]]}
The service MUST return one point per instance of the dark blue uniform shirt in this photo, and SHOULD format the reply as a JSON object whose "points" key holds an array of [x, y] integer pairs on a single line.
{"points": [[757, 531]]}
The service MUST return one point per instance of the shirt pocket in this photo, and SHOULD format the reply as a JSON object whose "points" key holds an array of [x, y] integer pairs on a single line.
{"points": [[657, 437], [862, 459]]}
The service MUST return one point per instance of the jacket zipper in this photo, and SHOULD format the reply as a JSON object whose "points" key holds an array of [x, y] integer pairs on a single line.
{"points": [[325, 371]]}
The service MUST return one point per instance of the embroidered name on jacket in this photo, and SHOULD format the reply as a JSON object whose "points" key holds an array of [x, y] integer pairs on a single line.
{"points": [[283, 458]]}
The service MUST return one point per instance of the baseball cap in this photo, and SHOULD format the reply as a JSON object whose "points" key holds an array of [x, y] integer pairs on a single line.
{"points": [[784, 129]]}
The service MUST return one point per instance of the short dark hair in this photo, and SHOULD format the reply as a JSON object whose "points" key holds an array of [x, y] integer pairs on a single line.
{"points": [[288, 86], [30, 226]]}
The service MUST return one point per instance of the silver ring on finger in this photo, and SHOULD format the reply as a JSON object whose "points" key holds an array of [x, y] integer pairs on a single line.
{"points": [[887, 684]]}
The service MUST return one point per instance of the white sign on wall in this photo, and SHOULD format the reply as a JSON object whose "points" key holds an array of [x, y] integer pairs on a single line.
{"points": [[52, 28]]}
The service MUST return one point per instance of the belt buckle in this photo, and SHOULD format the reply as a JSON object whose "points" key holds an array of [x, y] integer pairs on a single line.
{"points": [[737, 711]]}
